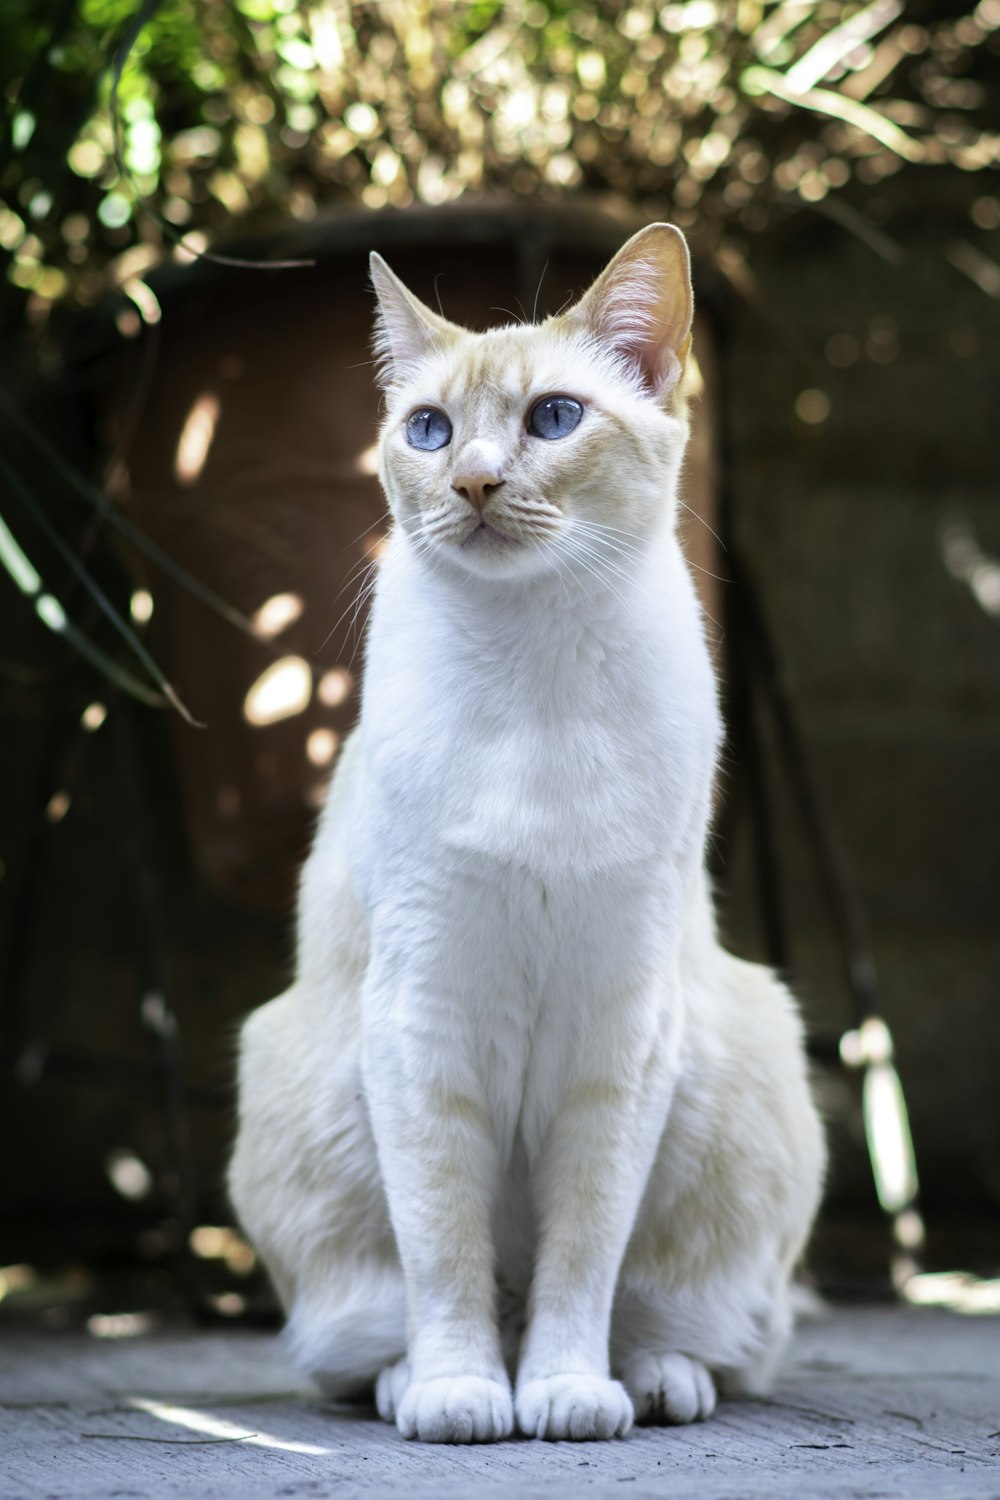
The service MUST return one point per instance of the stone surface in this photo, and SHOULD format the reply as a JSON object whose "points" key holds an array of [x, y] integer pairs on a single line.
{"points": [[873, 1402]]}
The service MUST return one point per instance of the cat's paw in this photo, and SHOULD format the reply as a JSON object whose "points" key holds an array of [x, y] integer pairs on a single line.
{"points": [[579, 1407], [668, 1388], [390, 1388], [455, 1409]]}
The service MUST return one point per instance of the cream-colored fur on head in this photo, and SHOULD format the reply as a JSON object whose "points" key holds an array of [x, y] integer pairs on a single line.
{"points": [[520, 1116]]}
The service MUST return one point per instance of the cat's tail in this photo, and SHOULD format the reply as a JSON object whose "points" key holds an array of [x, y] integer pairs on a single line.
{"points": [[343, 1335]]}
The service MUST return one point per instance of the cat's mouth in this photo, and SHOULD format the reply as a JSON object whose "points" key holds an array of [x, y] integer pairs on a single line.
{"points": [[485, 535]]}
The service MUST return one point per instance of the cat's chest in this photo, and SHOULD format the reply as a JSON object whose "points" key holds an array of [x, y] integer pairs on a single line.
{"points": [[560, 766]]}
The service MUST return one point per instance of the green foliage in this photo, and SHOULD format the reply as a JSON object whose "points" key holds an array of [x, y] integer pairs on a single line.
{"points": [[236, 114]]}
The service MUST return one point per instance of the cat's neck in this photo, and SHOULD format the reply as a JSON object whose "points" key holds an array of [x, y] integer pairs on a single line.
{"points": [[557, 644], [602, 588]]}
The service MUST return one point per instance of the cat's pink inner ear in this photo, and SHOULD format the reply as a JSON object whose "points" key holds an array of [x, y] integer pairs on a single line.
{"points": [[642, 305], [405, 330]]}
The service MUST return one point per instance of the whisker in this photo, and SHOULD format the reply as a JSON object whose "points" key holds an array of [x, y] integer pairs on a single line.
{"points": [[602, 558], [538, 292], [617, 530], [583, 556], [512, 315], [370, 567], [692, 512]]}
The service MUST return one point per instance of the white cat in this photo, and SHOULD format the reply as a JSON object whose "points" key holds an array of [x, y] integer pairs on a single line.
{"points": [[516, 1079]]}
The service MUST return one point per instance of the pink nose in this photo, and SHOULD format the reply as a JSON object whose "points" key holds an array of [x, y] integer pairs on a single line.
{"points": [[477, 473], [475, 488]]}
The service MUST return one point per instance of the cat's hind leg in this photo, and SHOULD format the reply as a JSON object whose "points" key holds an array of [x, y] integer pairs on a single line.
{"points": [[704, 1295], [668, 1388], [305, 1182]]}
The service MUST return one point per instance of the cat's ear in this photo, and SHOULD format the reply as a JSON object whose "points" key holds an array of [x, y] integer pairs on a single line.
{"points": [[641, 306], [405, 330]]}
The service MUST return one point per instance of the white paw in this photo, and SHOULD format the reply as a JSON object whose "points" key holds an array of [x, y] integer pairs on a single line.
{"points": [[668, 1388], [581, 1407], [455, 1409], [390, 1388]]}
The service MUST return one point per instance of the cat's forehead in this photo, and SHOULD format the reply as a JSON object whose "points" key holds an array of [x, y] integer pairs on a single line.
{"points": [[504, 365]]}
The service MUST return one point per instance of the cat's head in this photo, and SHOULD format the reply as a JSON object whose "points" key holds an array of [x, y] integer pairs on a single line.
{"points": [[510, 451]]}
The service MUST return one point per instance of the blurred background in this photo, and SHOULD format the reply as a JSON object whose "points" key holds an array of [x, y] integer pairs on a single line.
{"points": [[189, 518]]}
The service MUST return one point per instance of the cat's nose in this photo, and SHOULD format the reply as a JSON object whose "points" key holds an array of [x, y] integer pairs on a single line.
{"points": [[478, 472]]}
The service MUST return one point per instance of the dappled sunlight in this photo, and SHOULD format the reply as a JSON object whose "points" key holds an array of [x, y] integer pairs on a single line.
{"points": [[221, 1242], [141, 606], [93, 717], [282, 690], [367, 461], [887, 1126], [726, 112], [57, 806], [195, 441], [959, 1291], [335, 687], [374, 546], [128, 1174], [219, 1427], [277, 614], [969, 564], [321, 746], [122, 1325]]}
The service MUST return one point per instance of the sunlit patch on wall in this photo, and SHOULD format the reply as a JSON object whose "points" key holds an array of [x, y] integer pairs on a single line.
{"points": [[57, 807], [281, 691], [335, 687], [93, 717], [196, 438], [141, 606], [276, 614], [367, 460], [375, 545], [129, 1176], [321, 746], [966, 561]]}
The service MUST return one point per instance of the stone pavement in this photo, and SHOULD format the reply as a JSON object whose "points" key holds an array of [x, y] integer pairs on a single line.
{"points": [[873, 1402]]}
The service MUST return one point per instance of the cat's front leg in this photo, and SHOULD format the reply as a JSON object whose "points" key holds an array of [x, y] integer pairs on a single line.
{"points": [[439, 1162], [591, 1177]]}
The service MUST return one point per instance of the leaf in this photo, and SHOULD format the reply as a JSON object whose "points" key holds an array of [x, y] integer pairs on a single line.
{"points": [[759, 80], [128, 635], [115, 517]]}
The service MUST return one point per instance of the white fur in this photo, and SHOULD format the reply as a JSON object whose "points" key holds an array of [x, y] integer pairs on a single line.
{"points": [[515, 1056]]}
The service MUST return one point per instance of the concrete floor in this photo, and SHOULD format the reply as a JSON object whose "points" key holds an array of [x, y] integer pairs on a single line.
{"points": [[873, 1402]]}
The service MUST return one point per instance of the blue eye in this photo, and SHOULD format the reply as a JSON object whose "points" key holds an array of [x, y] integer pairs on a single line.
{"points": [[427, 429], [555, 417]]}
